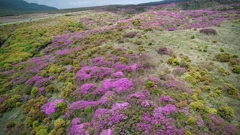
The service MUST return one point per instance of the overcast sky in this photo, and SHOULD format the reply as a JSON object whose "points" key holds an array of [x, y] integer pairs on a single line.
{"points": [[85, 3]]}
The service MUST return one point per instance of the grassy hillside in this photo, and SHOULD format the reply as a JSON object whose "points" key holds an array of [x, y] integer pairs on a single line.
{"points": [[157, 71]]}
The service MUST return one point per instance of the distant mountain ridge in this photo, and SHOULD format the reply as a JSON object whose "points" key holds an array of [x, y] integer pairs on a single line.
{"points": [[14, 7], [22, 5]]}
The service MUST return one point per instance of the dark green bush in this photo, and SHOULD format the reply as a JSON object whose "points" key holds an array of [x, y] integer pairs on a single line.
{"points": [[236, 69]]}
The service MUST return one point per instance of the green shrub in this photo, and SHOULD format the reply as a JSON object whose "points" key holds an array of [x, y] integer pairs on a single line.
{"points": [[61, 131], [192, 37], [232, 62], [226, 112], [61, 106], [136, 22], [50, 88], [223, 71], [192, 120], [173, 61], [211, 110], [123, 60], [59, 123], [223, 57], [10, 124], [141, 48], [236, 69], [197, 105], [150, 43], [150, 84], [231, 90], [34, 91], [42, 130], [88, 110]]}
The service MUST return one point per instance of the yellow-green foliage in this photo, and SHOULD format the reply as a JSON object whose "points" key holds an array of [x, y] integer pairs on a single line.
{"points": [[232, 90], [190, 79], [42, 130], [34, 91], [226, 111], [50, 88], [136, 22], [223, 57], [188, 133], [211, 110], [197, 105], [61, 106], [150, 84], [68, 90], [223, 71], [141, 48], [192, 120], [26, 39], [53, 69], [123, 60], [59, 123], [173, 61]]}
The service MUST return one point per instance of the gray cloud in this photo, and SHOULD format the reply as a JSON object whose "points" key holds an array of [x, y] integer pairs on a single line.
{"points": [[85, 3]]}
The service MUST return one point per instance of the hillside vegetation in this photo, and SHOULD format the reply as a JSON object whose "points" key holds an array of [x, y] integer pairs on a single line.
{"points": [[157, 70]]}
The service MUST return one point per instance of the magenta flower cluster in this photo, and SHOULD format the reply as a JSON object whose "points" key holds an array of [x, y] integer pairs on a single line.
{"points": [[120, 85], [50, 107], [93, 72], [85, 88]]}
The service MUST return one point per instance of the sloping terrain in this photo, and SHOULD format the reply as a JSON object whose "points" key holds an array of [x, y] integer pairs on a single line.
{"points": [[157, 71]]}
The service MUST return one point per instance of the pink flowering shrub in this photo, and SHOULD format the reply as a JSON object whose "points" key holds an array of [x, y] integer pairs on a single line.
{"points": [[38, 81], [50, 107], [63, 52], [82, 104], [120, 85], [79, 129], [118, 74], [85, 88], [93, 72], [105, 117], [100, 61], [166, 99]]}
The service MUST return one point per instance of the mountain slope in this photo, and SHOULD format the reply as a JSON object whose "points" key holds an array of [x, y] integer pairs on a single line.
{"points": [[15, 7]]}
